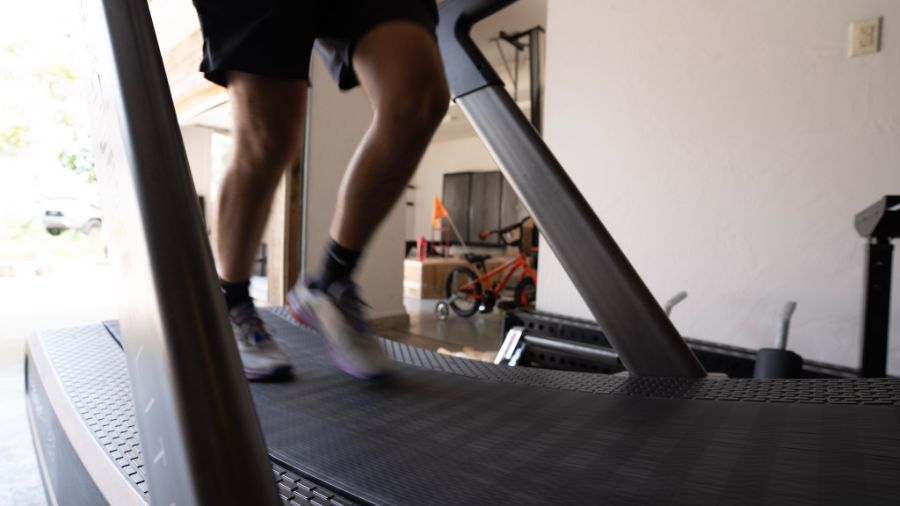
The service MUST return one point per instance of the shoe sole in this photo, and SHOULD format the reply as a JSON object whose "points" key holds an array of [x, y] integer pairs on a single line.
{"points": [[305, 317]]}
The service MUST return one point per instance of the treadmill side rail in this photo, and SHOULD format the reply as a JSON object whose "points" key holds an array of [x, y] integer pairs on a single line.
{"points": [[467, 68], [197, 421], [61, 438], [637, 327], [647, 342]]}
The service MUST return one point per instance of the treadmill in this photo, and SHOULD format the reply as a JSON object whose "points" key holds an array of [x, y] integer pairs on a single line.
{"points": [[154, 409]]}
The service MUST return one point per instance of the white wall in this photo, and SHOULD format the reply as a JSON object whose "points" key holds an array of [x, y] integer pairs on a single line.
{"points": [[727, 146], [198, 146], [337, 123], [456, 155]]}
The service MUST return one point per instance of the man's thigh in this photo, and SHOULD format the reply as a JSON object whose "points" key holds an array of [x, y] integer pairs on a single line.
{"points": [[349, 24], [399, 60], [268, 111]]}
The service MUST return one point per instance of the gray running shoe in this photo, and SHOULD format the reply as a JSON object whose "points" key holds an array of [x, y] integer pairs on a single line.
{"points": [[338, 315], [259, 353]]}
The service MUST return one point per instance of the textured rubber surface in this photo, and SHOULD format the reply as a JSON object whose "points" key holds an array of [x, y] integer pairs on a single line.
{"points": [[489, 434], [453, 431], [60, 464], [874, 391], [92, 368]]}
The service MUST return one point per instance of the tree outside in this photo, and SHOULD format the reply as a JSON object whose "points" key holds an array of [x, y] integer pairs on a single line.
{"points": [[49, 217]]}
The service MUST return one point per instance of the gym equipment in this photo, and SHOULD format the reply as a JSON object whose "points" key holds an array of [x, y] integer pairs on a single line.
{"points": [[676, 299], [454, 431], [647, 342], [778, 362], [564, 343], [880, 224], [154, 409]]}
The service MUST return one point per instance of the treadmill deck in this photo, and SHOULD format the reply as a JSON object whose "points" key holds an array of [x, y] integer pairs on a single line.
{"points": [[446, 430]]}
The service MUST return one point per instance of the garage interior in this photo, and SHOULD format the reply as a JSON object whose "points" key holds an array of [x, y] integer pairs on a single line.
{"points": [[743, 156]]}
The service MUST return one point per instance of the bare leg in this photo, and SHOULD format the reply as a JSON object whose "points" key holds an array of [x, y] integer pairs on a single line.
{"points": [[268, 124], [399, 67]]}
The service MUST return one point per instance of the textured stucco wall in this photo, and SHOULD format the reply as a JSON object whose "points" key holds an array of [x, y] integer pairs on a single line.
{"points": [[727, 146]]}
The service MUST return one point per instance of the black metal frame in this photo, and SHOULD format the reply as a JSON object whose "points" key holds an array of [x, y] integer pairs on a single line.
{"points": [[552, 341], [880, 224], [197, 423], [635, 324]]}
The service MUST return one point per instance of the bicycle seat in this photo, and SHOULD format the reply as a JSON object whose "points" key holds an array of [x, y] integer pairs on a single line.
{"points": [[472, 258]]}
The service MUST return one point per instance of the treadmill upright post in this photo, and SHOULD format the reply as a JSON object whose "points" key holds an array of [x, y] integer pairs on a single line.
{"points": [[199, 435], [647, 342], [879, 223], [877, 309]]}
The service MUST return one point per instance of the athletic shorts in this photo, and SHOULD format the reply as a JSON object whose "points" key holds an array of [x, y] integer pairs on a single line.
{"points": [[276, 37]]}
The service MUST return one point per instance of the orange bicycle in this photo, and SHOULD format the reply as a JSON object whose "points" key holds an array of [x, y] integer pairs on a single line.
{"points": [[468, 292]]}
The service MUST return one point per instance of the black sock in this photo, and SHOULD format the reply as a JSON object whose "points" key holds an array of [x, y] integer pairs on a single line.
{"points": [[235, 293], [337, 264]]}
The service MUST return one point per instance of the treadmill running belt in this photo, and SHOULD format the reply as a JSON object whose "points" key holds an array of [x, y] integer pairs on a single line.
{"points": [[452, 431], [432, 438]]}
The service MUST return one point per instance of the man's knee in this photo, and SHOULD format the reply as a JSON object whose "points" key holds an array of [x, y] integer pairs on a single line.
{"points": [[266, 149], [418, 110]]}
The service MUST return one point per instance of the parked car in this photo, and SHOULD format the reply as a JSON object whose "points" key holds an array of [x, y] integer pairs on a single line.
{"points": [[68, 213]]}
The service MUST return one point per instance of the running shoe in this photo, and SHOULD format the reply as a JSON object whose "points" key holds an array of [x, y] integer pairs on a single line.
{"points": [[337, 314], [262, 358]]}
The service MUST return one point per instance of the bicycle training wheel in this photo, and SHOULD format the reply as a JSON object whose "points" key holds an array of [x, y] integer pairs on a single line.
{"points": [[464, 300]]}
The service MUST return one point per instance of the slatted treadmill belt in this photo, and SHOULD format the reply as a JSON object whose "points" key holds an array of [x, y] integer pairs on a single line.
{"points": [[451, 431]]}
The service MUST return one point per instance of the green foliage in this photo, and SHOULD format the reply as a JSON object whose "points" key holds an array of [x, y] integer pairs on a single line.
{"points": [[81, 161], [11, 48], [13, 139], [59, 79]]}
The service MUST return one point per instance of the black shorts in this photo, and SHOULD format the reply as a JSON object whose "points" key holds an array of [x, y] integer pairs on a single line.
{"points": [[275, 37]]}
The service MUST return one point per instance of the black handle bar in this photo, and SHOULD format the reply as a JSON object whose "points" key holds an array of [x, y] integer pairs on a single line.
{"points": [[505, 230], [466, 67]]}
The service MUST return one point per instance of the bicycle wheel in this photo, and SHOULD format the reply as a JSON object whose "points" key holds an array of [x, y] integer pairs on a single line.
{"points": [[463, 300], [526, 292]]}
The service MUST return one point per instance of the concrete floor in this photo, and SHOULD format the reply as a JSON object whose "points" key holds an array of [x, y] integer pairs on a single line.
{"points": [[480, 331], [84, 294], [75, 294]]}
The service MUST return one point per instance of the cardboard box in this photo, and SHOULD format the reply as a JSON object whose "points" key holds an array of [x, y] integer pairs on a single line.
{"points": [[427, 279]]}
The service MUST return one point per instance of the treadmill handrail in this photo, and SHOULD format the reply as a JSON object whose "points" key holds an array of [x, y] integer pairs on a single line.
{"points": [[635, 324], [471, 70], [196, 419]]}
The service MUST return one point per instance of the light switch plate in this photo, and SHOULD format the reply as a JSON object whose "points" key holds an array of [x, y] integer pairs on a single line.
{"points": [[865, 37]]}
